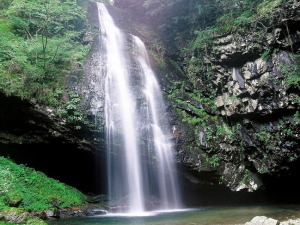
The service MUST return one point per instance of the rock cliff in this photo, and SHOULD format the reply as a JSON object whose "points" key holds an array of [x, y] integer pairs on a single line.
{"points": [[235, 94], [242, 113]]}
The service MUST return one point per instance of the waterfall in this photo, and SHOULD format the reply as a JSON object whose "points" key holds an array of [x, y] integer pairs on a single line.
{"points": [[120, 117], [167, 181], [139, 155]]}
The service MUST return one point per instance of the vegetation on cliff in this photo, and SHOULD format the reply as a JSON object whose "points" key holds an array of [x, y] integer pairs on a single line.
{"points": [[26, 188], [41, 43], [234, 84]]}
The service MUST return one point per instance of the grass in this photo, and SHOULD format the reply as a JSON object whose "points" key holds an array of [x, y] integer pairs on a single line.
{"points": [[26, 188]]}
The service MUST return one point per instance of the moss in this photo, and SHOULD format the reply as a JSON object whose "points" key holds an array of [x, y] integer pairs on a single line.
{"points": [[213, 160], [262, 135], [291, 72], [18, 216], [35, 221], [32, 190], [267, 7], [266, 54]]}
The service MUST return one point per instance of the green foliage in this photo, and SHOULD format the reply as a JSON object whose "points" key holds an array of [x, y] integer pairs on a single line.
{"points": [[177, 67], [266, 7], [192, 108], [293, 78], [246, 177], [291, 72], [263, 134], [288, 132], [192, 120], [233, 132], [204, 38], [225, 23], [297, 117], [209, 133], [295, 98], [261, 170], [40, 43], [213, 160], [292, 159], [266, 54], [222, 129], [245, 18], [35, 221], [70, 110], [32, 190], [177, 19], [236, 15]]}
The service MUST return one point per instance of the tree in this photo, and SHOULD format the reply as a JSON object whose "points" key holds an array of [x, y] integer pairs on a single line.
{"points": [[47, 34]]}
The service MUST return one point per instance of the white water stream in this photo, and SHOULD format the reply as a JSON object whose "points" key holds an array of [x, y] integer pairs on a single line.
{"points": [[139, 155], [168, 186]]}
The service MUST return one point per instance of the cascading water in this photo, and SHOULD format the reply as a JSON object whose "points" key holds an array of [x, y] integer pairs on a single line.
{"points": [[139, 155], [124, 177], [168, 187]]}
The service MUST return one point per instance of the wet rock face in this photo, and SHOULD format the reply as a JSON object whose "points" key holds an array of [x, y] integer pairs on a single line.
{"points": [[22, 122], [71, 212], [253, 134], [89, 84], [255, 88]]}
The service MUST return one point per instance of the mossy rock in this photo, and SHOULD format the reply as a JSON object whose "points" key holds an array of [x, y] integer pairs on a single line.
{"points": [[15, 215], [18, 216]]}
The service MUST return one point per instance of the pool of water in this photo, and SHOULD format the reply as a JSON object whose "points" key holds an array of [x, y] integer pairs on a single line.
{"points": [[233, 215]]}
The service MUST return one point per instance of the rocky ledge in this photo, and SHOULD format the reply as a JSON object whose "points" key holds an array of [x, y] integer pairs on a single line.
{"points": [[20, 216], [26, 122], [70, 212]]}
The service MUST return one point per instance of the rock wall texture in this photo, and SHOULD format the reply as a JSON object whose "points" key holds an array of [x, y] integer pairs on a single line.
{"points": [[235, 102], [251, 129]]}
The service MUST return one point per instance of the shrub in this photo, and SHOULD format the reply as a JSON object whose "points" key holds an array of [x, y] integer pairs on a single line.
{"points": [[32, 190]]}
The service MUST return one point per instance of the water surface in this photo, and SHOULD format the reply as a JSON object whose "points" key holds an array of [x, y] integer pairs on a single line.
{"points": [[233, 215]]}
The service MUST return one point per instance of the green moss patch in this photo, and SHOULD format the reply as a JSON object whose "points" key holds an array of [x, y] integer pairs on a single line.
{"points": [[26, 188]]}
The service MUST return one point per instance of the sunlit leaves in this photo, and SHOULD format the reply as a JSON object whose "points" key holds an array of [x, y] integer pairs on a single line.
{"points": [[40, 16], [39, 40]]}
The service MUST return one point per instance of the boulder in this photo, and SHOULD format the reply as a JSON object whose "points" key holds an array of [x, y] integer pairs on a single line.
{"points": [[18, 216], [92, 211], [50, 214], [262, 220]]}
